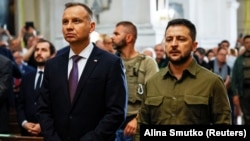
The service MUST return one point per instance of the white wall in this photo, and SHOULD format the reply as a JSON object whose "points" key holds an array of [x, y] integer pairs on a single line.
{"points": [[215, 19]]}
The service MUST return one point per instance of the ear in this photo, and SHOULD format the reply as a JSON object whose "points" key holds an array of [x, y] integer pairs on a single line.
{"points": [[195, 44], [129, 37], [92, 26]]}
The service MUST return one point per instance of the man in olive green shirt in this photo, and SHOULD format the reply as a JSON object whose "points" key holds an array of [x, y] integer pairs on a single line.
{"points": [[184, 93], [138, 69]]}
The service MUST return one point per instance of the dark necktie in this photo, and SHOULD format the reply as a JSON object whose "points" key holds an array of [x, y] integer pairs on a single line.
{"points": [[73, 77], [38, 83]]}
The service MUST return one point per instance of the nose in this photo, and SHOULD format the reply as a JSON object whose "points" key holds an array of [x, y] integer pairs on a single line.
{"points": [[69, 25], [38, 51], [174, 42]]}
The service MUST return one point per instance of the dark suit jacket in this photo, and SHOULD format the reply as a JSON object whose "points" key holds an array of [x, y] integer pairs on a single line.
{"points": [[7, 53], [62, 50], [5, 87], [26, 69], [16, 73], [99, 105], [26, 102]]}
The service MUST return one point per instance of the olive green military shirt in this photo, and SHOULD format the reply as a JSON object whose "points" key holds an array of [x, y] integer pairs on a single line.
{"points": [[199, 97]]}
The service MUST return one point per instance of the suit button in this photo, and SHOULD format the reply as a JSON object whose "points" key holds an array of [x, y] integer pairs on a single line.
{"points": [[70, 117], [35, 103]]}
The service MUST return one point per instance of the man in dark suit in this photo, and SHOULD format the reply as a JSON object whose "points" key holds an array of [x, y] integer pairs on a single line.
{"points": [[7, 53], [5, 87], [24, 67], [97, 107], [16, 73], [26, 102]]}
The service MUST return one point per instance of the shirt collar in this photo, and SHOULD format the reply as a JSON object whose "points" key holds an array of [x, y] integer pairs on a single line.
{"points": [[191, 70], [85, 53], [38, 70]]}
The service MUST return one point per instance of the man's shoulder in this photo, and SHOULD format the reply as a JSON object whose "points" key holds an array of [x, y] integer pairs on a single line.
{"points": [[28, 75], [141, 56], [28, 68], [63, 50], [145, 58], [105, 55], [150, 62], [4, 58]]}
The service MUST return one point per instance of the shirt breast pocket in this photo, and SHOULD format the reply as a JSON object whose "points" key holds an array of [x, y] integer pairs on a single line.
{"points": [[197, 106], [155, 105]]}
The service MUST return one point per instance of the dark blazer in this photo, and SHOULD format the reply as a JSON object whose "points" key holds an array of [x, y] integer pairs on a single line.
{"points": [[7, 53], [26, 102], [26, 69], [5, 87], [16, 73], [99, 105], [62, 50]]}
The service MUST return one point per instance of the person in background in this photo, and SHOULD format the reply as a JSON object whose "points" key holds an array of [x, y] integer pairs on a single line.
{"points": [[5, 51], [161, 57], [210, 54], [238, 43], [176, 94], [16, 74], [5, 34], [105, 43], [15, 44], [150, 52], [201, 58], [220, 67], [5, 87], [25, 68], [30, 37], [230, 58], [241, 82], [84, 91], [30, 41], [26, 102], [139, 68], [224, 43]]}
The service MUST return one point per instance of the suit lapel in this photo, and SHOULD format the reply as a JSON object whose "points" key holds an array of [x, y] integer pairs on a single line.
{"points": [[63, 73]]}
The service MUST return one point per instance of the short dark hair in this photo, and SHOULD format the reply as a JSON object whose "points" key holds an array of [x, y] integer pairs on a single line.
{"points": [[51, 46], [224, 41], [130, 26], [201, 50], [26, 37], [246, 36], [71, 4], [208, 51], [186, 23]]}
